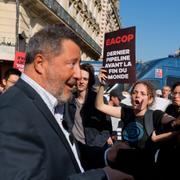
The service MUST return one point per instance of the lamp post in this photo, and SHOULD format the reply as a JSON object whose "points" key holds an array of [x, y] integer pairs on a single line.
{"points": [[17, 26]]}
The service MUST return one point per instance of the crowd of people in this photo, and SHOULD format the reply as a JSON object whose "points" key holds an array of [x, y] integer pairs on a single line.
{"points": [[144, 130], [55, 125]]}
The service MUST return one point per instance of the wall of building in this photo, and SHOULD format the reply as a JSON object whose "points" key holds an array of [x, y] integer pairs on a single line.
{"points": [[88, 19]]}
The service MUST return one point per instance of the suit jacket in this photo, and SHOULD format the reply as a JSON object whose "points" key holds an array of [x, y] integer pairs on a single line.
{"points": [[32, 145]]}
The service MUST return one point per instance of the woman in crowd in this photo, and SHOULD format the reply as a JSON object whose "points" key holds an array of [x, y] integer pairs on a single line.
{"points": [[169, 153], [137, 121]]}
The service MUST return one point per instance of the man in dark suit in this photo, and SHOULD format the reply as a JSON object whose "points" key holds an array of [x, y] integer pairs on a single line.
{"points": [[33, 143]]}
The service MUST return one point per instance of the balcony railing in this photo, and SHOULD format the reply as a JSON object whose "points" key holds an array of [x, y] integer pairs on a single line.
{"points": [[7, 41], [55, 7]]}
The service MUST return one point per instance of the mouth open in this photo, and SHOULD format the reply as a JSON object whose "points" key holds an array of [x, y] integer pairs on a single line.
{"points": [[71, 83], [71, 86], [137, 102]]}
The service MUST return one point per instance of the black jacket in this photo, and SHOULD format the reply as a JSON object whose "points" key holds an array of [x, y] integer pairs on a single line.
{"points": [[32, 145], [97, 125]]}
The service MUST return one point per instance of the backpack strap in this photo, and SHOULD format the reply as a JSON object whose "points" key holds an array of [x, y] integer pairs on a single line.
{"points": [[149, 125]]}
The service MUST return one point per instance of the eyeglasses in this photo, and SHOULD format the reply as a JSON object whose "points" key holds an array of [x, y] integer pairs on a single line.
{"points": [[176, 93]]}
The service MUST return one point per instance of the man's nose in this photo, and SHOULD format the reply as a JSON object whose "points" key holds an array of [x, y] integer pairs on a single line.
{"points": [[77, 72]]}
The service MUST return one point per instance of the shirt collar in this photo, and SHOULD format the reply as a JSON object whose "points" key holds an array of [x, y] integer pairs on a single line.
{"points": [[48, 98]]}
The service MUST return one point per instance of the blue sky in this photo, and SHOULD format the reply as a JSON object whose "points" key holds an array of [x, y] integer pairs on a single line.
{"points": [[157, 26]]}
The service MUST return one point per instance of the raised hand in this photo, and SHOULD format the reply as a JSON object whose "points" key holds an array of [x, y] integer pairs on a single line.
{"points": [[102, 76]]}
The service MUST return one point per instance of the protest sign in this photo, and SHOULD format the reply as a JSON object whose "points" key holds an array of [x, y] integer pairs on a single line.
{"points": [[119, 56], [19, 61]]}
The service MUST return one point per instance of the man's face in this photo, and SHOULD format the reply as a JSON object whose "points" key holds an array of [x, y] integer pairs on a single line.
{"points": [[10, 81], [115, 100], [166, 91], [176, 96], [63, 71], [82, 83]]}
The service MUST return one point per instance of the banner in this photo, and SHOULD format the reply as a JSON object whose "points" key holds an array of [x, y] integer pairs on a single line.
{"points": [[158, 73], [19, 61], [119, 56]]}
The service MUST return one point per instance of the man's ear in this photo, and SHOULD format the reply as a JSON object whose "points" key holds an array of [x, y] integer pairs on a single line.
{"points": [[39, 63], [4, 82]]}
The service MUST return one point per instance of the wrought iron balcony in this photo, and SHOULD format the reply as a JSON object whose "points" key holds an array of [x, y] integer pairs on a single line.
{"points": [[59, 11]]}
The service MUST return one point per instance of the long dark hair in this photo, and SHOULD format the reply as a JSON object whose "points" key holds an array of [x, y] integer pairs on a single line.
{"points": [[175, 85]]}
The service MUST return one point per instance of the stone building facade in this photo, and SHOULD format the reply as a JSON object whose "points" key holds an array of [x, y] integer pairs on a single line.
{"points": [[88, 19]]}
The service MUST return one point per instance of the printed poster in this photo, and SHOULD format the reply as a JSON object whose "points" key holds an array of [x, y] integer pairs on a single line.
{"points": [[119, 56], [19, 61]]}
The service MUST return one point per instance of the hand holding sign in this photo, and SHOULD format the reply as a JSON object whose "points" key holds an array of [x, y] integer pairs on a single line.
{"points": [[102, 76]]}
